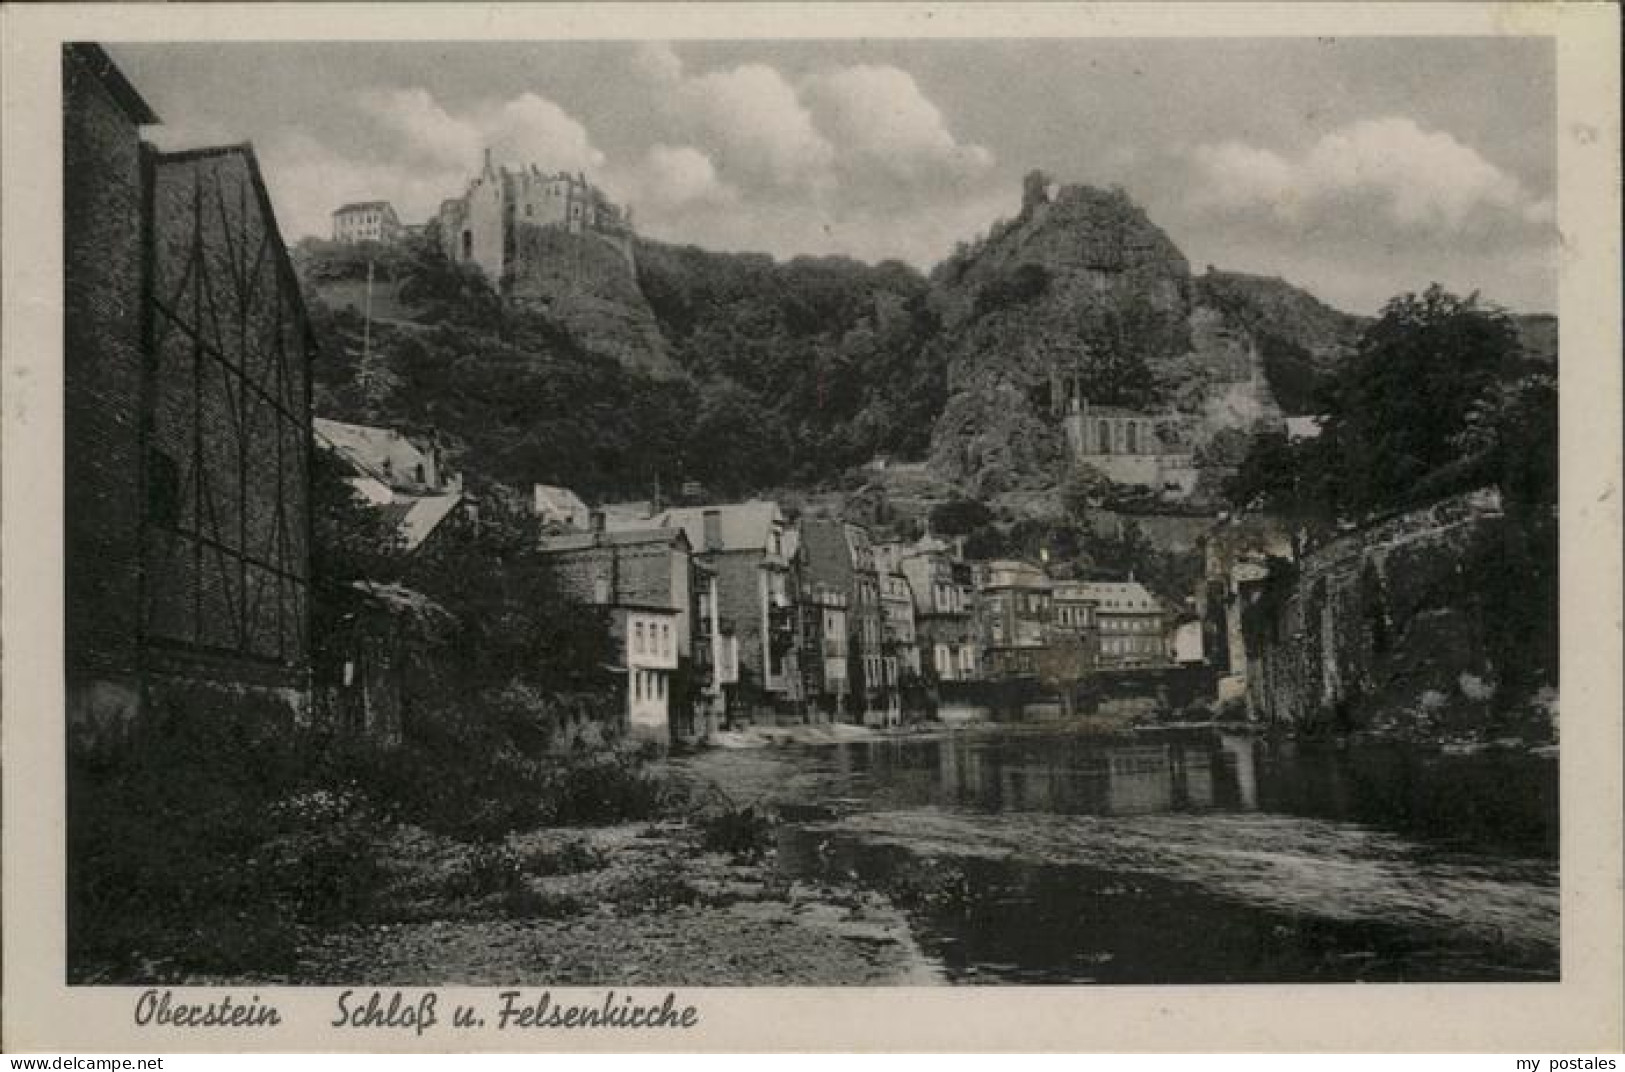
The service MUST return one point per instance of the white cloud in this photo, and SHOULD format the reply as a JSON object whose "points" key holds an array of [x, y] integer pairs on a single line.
{"points": [[526, 129], [672, 178], [1419, 179], [656, 61], [862, 133], [756, 124], [421, 128], [532, 129], [307, 180], [879, 117]]}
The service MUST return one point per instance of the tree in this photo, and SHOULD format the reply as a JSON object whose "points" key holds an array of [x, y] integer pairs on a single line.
{"points": [[514, 623], [1396, 411], [350, 542], [1293, 481], [1062, 662], [959, 517]]}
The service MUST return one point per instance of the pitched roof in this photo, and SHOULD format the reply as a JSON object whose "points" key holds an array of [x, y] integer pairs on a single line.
{"points": [[562, 504], [744, 526], [1303, 427], [384, 453], [125, 95], [1119, 595], [580, 541], [362, 206], [1012, 572], [423, 515]]}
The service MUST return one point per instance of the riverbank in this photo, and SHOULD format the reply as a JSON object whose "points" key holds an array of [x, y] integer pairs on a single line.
{"points": [[692, 901]]}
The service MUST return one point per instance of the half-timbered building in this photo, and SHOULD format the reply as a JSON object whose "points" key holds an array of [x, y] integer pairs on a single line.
{"points": [[187, 422]]}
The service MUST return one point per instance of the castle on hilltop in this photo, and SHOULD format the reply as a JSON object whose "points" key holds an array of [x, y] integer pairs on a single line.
{"points": [[482, 226]]}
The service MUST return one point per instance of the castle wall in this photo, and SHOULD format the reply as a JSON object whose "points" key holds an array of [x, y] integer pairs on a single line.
{"points": [[1386, 625]]}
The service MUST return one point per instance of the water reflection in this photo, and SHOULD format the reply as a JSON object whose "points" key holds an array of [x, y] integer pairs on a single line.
{"points": [[1197, 856]]}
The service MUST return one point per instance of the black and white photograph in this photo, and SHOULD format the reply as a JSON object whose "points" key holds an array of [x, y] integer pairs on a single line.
{"points": [[874, 511]]}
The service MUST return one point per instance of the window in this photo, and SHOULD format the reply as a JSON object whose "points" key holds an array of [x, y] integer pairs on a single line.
{"points": [[468, 244], [637, 684], [665, 640], [638, 632]]}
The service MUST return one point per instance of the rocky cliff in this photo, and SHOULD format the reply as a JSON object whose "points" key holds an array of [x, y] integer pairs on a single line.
{"points": [[1074, 294], [587, 285], [1083, 296]]}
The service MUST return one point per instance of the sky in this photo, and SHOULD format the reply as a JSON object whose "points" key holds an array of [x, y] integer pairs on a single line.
{"points": [[1358, 168]]}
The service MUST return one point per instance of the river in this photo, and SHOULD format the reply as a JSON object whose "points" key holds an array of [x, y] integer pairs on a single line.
{"points": [[1179, 856]]}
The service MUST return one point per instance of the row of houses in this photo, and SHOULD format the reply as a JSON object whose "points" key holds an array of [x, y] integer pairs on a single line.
{"points": [[729, 613]]}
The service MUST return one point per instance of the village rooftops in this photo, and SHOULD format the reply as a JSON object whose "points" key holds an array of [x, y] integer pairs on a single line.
{"points": [[1119, 597], [558, 504], [416, 517], [1013, 573], [382, 453]]}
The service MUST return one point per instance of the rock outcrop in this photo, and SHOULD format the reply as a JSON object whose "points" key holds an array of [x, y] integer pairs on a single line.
{"points": [[587, 285], [1082, 284], [1082, 296]]}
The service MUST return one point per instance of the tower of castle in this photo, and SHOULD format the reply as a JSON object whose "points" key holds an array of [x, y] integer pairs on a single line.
{"points": [[479, 227]]}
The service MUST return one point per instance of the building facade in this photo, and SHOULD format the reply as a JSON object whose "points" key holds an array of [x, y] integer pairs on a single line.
{"points": [[942, 587], [645, 577], [824, 653], [366, 221], [187, 423], [1129, 447], [838, 555], [744, 547], [1075, 615], [1132, 624], [1014, 608]]}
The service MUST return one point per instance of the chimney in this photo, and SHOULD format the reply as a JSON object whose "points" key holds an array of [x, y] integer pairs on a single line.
{"points": [[713, 529]]}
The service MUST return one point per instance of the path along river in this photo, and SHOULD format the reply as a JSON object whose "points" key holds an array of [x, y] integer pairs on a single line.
{"points": [[1179, 856]]}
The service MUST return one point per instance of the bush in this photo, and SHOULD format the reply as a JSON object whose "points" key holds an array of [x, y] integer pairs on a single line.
{"points": [[571, 858], [743, 833], [202, 844]]}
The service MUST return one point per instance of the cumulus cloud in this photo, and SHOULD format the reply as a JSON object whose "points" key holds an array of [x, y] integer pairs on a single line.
{"points": [[1419, 179], [757, 125], [533, 129], [526, 128], [863, 133], [845, 159], [674, 177], [427, 154], [881, 120], [307, 179], [421, 129]]}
